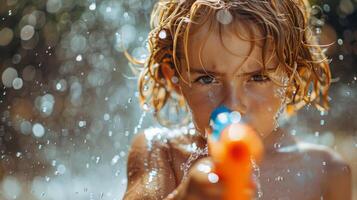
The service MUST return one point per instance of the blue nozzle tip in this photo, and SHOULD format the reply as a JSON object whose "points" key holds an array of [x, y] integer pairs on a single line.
{"points": [[219, 125], [218, 110]]}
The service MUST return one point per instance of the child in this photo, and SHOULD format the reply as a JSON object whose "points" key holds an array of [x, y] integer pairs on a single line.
{"points": [[256, 57]]}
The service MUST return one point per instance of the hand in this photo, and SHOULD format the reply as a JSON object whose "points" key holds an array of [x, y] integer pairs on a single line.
{"points": [[200, 183]]}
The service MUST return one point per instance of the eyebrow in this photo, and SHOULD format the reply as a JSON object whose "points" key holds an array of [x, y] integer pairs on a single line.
{"points": [[203, 71]]}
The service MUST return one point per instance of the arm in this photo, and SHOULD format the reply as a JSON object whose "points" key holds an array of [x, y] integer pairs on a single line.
{"points": [[149, 172], [339, 181]]}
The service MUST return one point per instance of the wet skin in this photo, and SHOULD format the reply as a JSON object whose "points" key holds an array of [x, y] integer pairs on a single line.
{"points": [[289, 170], [305, 172]]}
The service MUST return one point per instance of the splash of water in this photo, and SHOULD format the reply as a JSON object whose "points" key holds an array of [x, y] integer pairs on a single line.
{"points": [[200, 152], [256, 176]]}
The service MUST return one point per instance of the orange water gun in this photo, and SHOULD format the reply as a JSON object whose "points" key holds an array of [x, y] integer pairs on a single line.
{"points": [[232, 144]]}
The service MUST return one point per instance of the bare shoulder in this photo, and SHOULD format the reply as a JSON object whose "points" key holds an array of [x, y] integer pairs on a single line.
{"points": [[150, 149], [161, 138], [331, 158], [151, 168], [338, 181], [149, 171]]}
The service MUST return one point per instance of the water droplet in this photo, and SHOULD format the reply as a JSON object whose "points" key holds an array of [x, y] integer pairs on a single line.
{"points": [[27, 32], [117, 173], [317, 134], [92, 6], [61, 85], [11, 188], [53, 6], [79, 58], [18, 154], [222, 118], [82, 124], [162, 34], [174, 80], [192, 131], [318, 30], [322, 113], [341, 57], [340, 41], [38, 130], [106, 117], [45, 104], [146, 107], [115, 159], [97, 159], [126, 133], [322, 122], [6, 36], [29, 72], [277, 145], [204, 168], [17, 83], [26, 127], [61, 169], [8, 76], [224, 16], [235, 117], [16, 59], [326, 8], [122, 154], [213, 178], [279, 178], [130, 100]]}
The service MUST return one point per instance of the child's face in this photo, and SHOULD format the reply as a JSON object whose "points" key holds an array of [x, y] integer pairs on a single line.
{"points": [[229, 80]]}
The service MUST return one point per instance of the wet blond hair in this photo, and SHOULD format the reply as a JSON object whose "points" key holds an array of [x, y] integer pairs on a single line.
{"points": [[285, 23]]}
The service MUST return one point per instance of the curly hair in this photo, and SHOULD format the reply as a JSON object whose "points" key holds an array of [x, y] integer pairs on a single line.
{"points": [[285, 23]]}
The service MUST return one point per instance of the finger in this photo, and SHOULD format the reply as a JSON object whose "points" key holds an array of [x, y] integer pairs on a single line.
{"points": [[199, 172], [203, 180], [205, 188], [205, 195]]}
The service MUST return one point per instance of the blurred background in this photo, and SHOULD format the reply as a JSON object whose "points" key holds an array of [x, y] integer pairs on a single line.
{"points": [[68, 99]]}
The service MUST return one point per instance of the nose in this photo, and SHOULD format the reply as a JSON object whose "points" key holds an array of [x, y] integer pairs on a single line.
{"points": [[235, 98]]}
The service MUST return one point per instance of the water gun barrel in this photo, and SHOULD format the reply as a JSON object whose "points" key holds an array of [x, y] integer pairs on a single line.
{"points": [[232, 145]]}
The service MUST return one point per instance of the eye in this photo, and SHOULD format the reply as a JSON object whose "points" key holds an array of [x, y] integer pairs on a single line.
{"points": [[259, 78], [205, 80]]}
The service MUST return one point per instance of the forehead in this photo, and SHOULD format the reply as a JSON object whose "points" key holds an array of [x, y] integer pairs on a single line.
{"points": [[228, 47]]}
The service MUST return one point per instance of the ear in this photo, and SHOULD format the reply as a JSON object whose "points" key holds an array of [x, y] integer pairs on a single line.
{"points": [[169, 74]]}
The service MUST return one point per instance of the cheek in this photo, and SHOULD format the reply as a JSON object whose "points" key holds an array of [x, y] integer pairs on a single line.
{"points": [[264, 104], [267, 97], [201, 103]]}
